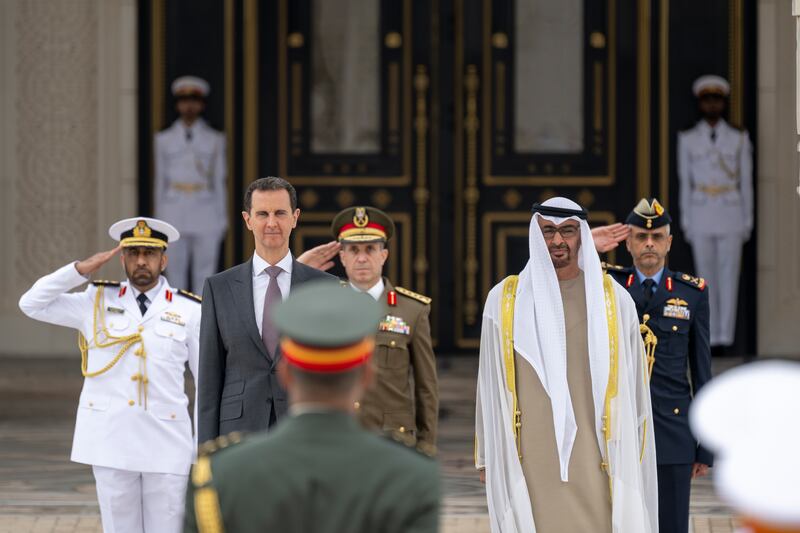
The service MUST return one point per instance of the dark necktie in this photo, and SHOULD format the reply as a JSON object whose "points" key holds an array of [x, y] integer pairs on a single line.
{"points": [[273, 297], [142, 299], [713, 136], [188, 135], [648, 290]]}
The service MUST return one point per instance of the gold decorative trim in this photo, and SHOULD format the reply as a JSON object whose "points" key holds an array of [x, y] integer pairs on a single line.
{"points": [[297, 101], [643, 100], [471, 193], [251, 98], [421, 193], [663, 107], [394, 102], [500, 100], [230, 125], [157, 80], [735, 60], [598, 104], [393, 40]]}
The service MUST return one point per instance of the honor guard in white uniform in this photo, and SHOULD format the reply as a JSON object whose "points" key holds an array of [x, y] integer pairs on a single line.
{"points": [[133, 426], [715, 169], [190, 190]]}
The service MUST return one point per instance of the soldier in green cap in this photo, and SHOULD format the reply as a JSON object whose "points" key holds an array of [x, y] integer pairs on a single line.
{"points": [[406, 409], [318, 470]]}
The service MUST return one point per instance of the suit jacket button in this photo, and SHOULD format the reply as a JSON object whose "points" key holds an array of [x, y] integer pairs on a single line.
{"points": [[91, 404], [392, 343], [646, 317], [402, 429], [172, 416], [676, 411], [356, 405], [131, 402], [674, 328]]}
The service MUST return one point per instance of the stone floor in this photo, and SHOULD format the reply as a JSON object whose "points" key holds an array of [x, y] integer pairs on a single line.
{"points": [[41, 491]]}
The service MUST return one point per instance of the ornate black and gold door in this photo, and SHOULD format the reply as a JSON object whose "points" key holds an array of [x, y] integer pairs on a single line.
{"points": [[541, 110], [452, 115]]}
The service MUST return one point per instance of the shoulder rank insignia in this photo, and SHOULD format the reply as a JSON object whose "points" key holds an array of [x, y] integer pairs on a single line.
{"points": [[105, 282], [190, 295], [414, 295], [692, 281], [615, 268]]}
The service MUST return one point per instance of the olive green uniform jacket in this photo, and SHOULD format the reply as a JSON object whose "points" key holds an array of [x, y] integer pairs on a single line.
{"points": [[404, 401], [315, 473]]}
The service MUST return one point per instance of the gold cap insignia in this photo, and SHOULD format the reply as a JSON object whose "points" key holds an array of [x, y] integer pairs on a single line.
{"points": [[360, 219], [141, 229], [659, 209]]}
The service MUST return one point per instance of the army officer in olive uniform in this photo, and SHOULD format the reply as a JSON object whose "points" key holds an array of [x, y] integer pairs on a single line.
{"points": [[404, 401], [318, 471], [675, 308]]}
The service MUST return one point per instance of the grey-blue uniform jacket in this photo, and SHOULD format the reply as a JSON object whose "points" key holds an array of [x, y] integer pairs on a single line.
{"points": [[678, 315]]}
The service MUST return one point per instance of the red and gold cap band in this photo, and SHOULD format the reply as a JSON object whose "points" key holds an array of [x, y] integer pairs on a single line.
{"points": [[316, 359], [368, 232]]}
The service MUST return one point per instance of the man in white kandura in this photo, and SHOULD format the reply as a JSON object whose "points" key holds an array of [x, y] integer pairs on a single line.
{"points": [[135, 337], [563, 426]]}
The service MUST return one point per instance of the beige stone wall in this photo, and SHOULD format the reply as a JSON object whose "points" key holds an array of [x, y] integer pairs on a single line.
{"points": [[67, 146], [778, 222]]}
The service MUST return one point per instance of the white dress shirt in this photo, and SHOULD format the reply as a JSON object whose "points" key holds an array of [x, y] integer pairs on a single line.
{"points": [[261, 280], [151, 294], [375, 291]]}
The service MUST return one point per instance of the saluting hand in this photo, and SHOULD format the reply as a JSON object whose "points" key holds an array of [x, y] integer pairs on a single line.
{"points": [[606, 238], [93, 263], [320, 257]]}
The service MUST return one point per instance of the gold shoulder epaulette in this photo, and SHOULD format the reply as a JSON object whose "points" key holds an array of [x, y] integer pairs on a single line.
{"points": [[106, 282], [415, 295], [609, 266], [212, 446], [692, 281], [190, 295]]}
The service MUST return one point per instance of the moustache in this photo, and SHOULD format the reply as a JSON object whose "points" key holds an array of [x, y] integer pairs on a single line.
{"points": [[555, 247]]}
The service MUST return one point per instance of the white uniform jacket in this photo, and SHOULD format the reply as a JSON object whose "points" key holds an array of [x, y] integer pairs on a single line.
{"points": [[133, 416], [190, 190], [716, 181]]}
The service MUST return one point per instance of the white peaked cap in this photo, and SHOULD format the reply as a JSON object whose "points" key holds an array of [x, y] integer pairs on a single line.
{"points": [[750, 418], [711, 83], [190, 85]]}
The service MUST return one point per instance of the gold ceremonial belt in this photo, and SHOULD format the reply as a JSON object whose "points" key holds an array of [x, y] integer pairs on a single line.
{"points": [[715, 190], [188, 187]]}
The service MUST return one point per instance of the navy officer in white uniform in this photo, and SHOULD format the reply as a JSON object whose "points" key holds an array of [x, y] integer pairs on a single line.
{"points": [[190, 190], [136, 336], [715, 170]]}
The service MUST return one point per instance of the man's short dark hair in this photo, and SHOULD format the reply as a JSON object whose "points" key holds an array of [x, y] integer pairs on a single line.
{"points": [[270, 183], [328, 384]]}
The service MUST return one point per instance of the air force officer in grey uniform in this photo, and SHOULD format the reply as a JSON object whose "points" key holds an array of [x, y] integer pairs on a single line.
{"points": [[715, 168], [190, 188]]}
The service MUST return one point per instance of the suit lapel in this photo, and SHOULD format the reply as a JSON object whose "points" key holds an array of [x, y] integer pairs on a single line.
{"points": [[242, 290], [298, 273]]}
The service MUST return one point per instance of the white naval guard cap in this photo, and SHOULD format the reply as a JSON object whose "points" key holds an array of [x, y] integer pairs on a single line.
{"points": [[190, 86], [143, 231], [748, 417], [711, 84]]}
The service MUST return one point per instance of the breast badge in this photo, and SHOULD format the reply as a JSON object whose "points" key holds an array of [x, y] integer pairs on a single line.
{"points": [[677, 308], [395, 324], [173, 318]]}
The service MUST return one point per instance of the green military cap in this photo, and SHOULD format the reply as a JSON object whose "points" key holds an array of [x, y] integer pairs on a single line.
{"points": [[648, 214], [362, 224], [327, 328]]}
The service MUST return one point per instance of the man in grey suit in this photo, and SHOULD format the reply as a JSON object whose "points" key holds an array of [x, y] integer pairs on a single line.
{"points": [[237, 387]]}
